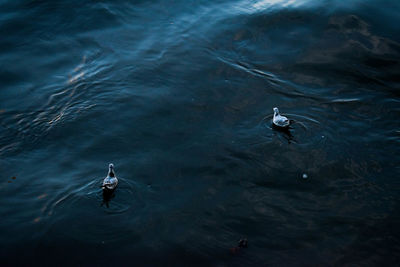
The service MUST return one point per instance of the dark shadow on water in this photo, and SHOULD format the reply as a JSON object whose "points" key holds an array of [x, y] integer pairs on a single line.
{"points": [[107, 196], [285, 132]]}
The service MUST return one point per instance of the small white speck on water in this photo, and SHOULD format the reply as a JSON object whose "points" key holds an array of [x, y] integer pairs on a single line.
{"points": [[323, 136], [305, 176]]}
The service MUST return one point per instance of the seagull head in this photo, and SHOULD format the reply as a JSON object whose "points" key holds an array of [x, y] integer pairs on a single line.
{"points": [[276, 110], [111, 170]]}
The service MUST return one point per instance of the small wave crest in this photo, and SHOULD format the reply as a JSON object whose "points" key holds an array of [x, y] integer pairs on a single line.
{"points": [[126, 196]]}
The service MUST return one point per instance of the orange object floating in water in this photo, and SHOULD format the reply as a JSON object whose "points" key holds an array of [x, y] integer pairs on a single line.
{"points": [[42, 196], [234, 250]]}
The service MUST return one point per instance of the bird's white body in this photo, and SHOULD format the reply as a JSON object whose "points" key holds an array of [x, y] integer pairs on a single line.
{"points": [[111, 181], [279, 120]]}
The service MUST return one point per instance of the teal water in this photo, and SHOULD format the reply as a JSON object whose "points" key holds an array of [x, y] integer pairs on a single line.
{"points": [[179, 96]]}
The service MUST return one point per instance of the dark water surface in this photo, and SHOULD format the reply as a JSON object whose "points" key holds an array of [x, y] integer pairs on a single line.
{"points": [[179, 96]]}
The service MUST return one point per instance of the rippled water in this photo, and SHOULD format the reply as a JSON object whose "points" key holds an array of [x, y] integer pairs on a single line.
{"points": [[179, 96]]}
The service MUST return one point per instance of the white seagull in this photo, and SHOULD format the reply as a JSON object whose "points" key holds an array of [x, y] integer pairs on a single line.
{"points": [[111, 181], [279, 120]]}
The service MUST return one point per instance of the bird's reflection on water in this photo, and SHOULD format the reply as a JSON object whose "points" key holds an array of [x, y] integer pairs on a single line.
{"points": [[107, 196], [285, 132]]}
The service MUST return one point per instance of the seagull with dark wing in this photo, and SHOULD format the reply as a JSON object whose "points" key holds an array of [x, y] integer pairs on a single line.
{"points": [[279, 120], [111, 181]]}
